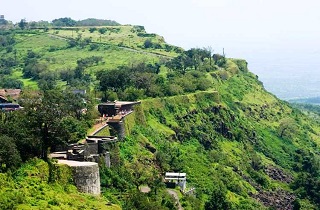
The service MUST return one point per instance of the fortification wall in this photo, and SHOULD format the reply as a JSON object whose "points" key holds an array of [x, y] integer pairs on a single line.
{"points": [[85, 175]]}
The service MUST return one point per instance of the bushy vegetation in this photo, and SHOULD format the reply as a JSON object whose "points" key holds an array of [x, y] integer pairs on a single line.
{"points": [[145, 81], [36, 186], [49, 119]]}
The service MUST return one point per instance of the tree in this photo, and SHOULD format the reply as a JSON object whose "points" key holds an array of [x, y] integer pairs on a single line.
{"points": [[197, 56], [15, 126], [33, 69], [73, 129], [47, 115], [115, 80], [218, 199], [64, 22], [9, 154], [7, 82], [148, 43], [210, 51], [219, 60], [180, 63], [67, 75], [22, 24], [287, 127], [92, 30], [102, 30], [93, 46]]}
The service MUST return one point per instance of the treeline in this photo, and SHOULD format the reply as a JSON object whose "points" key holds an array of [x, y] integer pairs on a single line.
{"points": [[61, 22], [132, 83], [186, 73]]}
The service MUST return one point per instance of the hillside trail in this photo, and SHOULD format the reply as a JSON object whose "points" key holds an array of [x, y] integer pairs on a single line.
{"points": [[174, 194]]}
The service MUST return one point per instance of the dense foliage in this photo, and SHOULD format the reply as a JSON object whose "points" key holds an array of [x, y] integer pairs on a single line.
{"points": [[48, 120]]}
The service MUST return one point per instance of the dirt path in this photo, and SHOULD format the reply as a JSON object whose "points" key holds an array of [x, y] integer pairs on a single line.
{"points": [[176, 197]]}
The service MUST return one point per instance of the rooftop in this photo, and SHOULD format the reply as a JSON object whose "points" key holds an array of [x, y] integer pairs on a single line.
{"points": [[115, 103], [13, 93], [76, 163], [176, 174]]}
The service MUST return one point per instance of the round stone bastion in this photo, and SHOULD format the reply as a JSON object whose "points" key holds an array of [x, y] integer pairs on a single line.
{"points": [[85, 175]]}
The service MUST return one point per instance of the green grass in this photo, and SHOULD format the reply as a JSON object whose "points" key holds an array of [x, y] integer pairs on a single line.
{"points": [[125, 37], [27, 83], [122, 48], [103, 132], [38, 43]]}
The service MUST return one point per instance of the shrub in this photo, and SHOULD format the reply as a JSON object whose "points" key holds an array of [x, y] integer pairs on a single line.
{"points": [[94, 46], [92, 30], [148, 43], [9, 155], [102, 30]]}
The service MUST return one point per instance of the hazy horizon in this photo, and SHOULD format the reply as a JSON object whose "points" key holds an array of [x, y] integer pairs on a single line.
{"points": [[279, 39]]}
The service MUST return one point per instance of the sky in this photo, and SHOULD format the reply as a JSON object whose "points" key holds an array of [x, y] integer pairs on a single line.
{"points": [[278, 38]]}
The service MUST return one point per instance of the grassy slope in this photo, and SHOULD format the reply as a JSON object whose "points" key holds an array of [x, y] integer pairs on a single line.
{"points": [[125, 37], [251, 116], [61, 57]]}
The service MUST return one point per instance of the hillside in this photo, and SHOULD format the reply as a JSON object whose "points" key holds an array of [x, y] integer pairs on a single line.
{"points": [[238, 140], [57, 50], [201, 113]]}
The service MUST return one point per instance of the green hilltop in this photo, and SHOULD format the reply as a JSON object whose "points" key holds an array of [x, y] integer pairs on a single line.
{"points": [[201, 113]]}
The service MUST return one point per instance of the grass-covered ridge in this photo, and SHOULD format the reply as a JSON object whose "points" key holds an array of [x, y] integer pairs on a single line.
{"points": [[227, 140]]}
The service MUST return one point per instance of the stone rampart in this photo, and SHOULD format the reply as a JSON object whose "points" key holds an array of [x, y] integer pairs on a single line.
{"points": [[85, 175]]}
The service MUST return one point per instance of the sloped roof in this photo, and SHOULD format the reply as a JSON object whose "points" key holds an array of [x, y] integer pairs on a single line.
{"points": [[2, 92], [13, 93], [120, 103]]}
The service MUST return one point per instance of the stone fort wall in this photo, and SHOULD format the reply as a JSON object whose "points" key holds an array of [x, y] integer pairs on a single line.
{"points": [[85, 175]]}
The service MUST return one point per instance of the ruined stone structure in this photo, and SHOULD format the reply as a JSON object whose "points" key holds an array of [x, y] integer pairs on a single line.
{"points": [[116, 108], [95, 148], [115, 112], [83, 158], [85, 175], [7, 97], [119, 128]]}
